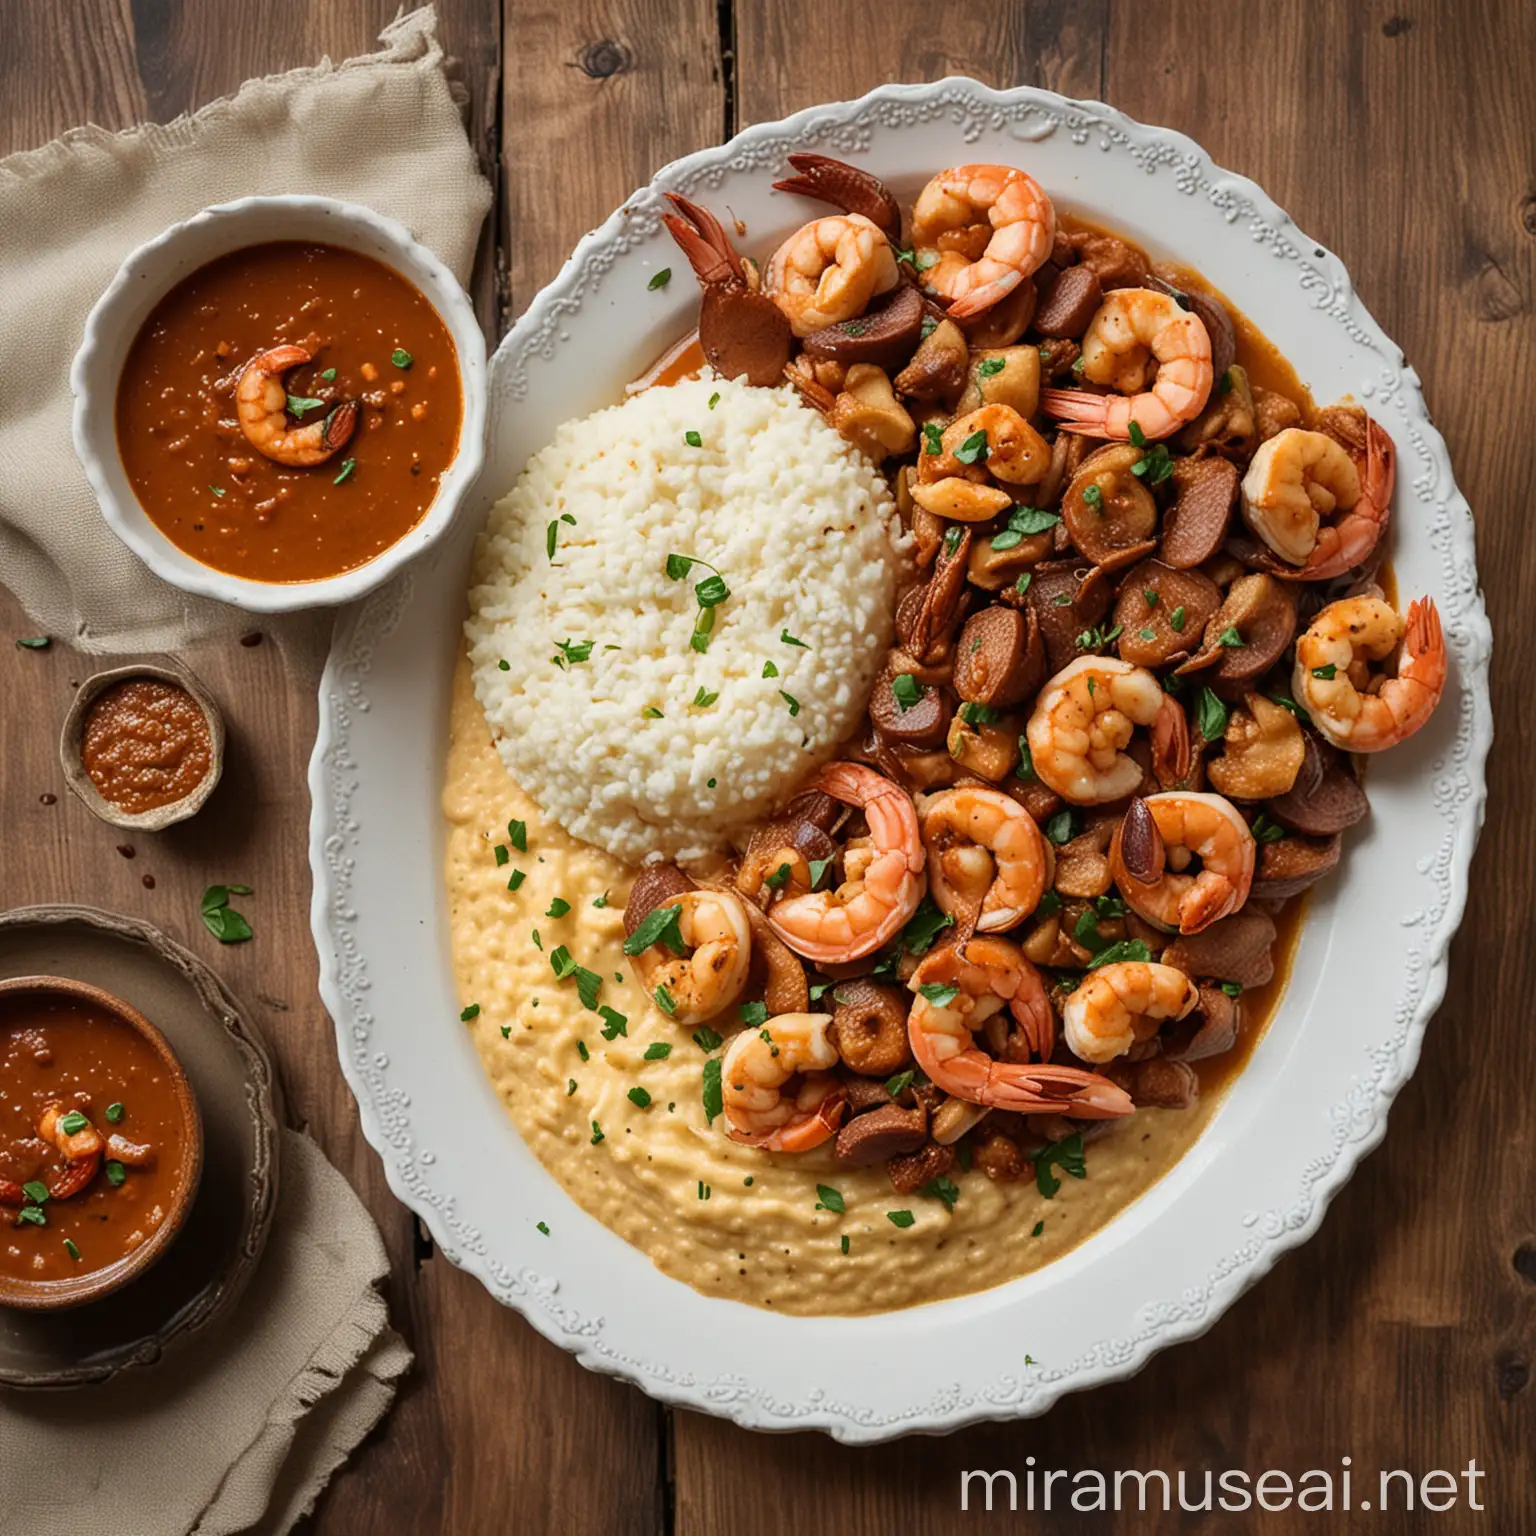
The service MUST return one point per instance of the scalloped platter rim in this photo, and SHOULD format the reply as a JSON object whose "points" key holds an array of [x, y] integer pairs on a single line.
{"points": [[1289, 1134]]}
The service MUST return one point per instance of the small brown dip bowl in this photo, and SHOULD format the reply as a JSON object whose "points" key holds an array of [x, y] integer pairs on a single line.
{"points": [[91, 1203], [143, 746]]}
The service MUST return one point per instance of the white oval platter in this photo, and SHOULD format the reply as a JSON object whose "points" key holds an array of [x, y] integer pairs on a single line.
{"points": [[1311, 1103]]}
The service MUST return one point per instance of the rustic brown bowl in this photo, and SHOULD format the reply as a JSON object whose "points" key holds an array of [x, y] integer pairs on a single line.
{"points": [[54, 1295], [73, 735]]}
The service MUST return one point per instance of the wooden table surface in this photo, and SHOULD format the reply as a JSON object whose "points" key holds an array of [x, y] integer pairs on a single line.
{"points": [[1402, 133]]}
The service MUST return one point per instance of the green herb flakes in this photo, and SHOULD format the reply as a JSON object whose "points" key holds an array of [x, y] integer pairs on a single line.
{"points": [[35, 642], [515, 879], [658, 1051], [471, 1012], [597, 1133], [639, 1098], [665, 1001], [785, 638], [753, 1014], [933, 438], [906, 690], [116, 1173], [792, 701], [1325, 674], [941, 1188], [661, 925], [829, 1199], [1066, 1155], [401, 358], [347, 466], [71, 1250], [939, 994], [1211, 716], [706, 1039], [1124, 949], [901, 1219], [115, 1113], [713, 1093], [660, 280]]}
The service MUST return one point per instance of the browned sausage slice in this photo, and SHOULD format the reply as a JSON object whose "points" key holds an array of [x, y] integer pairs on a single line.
{"points": [[1000, 660]]}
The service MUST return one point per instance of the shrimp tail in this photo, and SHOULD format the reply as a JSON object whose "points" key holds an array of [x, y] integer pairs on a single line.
{"points": [[1424, 660], [999, 282], [1066, 1091], [847, 187], [77, 1174], [704, 242], [1212, 896], [1350, 541]]}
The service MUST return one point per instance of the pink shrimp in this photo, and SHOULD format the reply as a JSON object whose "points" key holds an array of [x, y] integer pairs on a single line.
{"points": [[790, 1051], [958, 988], [261, 407], [1133, 328], [883, 874], [1333, 682]]}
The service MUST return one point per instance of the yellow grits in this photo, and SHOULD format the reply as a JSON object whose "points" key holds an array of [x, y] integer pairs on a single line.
{"points": [[728, 1220]]}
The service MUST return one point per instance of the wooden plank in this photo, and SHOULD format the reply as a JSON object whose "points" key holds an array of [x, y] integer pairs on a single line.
{"points": [[1402, 1334]]}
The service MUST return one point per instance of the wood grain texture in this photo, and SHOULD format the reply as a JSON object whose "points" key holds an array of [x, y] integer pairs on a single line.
{"points": [[1399, 133]]}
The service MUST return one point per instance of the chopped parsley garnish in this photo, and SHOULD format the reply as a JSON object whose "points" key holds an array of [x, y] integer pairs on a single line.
{"points": [[1266, 831], [552, 537], [974, 449], [502, 856], [924, 926], [35, 1191], [505, 666], [792, 701], [328, 375], [600, 901], [1023, 522], [941, 1188], [1176, 620], [753, 1014], [785, 638], [73, 1123], [901, 1219], [1066, 1155], [35, 642], [693, 439], [506, 1031], [572, 652], [650, 712], [769, 670], [933, 438], [829, 1199], [1122, 950], [558, 907], [1150, 596], [1232, 988], [32, 1214], [844, 1242], [70, 1249], [639, 1098], [1026, 768], [661, 925], [1094, 497], [659, 1051], [1062, 827], [1021, 586], [116, 1173], [298, 404], [1211, 716], [778, 879], [665, 1001], [1148, 634], [714, 400], [898, 1085], [939, 994], [115, 1113], [516, 879], [712, 1093], [706, 1039], [1096, 638], [347, 466], [906, 690], [1327, 674], [818, 868], [218, 490], [660, 280], [1138, 437], [989, 366], [582, 1051], [471, 1012], [1037, 1229], [1230, 638], [401, 358], [1155, 465], [597, 1133], [542, 1226], [704, 698]]}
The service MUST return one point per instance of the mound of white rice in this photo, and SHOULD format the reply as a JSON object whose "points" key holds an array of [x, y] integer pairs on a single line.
{"points": [[647, 746]]}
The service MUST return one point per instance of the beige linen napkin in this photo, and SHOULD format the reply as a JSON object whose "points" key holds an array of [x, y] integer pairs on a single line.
{"points": [[242, 1428], [385, 130]]}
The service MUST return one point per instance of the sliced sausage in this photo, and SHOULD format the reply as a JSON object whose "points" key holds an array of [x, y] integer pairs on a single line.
{"points": [[1325, 804], [869, 1027], [1237, 948], [922, 724], [1065, 605], [1262, 612], [1106, 508], [1155, 628], [1205, 491], [1000, 660], [881, 1134], [1289, 866], [1067, 302], [885, 337]]}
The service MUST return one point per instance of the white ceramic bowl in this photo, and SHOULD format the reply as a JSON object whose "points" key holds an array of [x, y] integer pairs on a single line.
{"points": [[150, 272]]}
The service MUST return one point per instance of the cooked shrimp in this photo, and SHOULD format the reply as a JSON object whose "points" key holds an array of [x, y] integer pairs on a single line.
{"points": [[829, 270], [957, 989], [1015, 452], [1083, 720], [1354, 708], [1133, 328], [709, 977], [261, 405], [1299, 477], [962, 207], [883, 874], [759, 1064], [1154, 848], [81, 1147], [1123, 1003], [985, 855]]}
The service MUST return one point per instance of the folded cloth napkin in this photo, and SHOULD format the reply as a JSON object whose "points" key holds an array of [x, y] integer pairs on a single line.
{"points": [[241, 1428], [385, 130]]}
